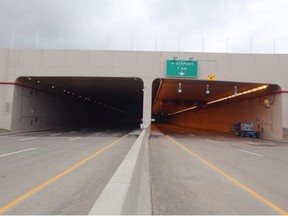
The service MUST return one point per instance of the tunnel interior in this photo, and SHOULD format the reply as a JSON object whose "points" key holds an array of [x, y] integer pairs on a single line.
{"points": [[217, 105], [60, 102]]}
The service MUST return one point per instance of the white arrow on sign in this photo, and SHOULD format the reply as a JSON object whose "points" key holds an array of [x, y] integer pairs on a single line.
{"points": [[181, 73]]}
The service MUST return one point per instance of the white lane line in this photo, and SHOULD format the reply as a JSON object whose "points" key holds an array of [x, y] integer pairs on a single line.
{"points": [[58, 134], [3, 155], [30, 138], [84, 130], [252, 153], [211, 140], [76, 138], [250, 143]]}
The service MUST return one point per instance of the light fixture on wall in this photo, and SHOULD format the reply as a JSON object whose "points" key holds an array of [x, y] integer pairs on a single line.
{"points": [[207, 89], [267, 102], [235, 90], [180, 88]]}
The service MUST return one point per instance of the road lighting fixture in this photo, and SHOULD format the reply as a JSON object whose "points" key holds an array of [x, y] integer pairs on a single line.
{"points": [[235, 90], [207, 89], [179, 87]]}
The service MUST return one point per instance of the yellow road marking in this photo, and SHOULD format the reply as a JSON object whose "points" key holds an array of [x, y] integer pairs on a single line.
{"points": [[235, 181], [55, 178]]}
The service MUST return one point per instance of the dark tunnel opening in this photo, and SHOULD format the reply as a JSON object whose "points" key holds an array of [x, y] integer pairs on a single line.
{"points": [[59, 102]]}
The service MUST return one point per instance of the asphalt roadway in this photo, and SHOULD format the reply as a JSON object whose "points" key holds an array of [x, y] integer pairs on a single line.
{"points": [[200, 172], [58, 172]]}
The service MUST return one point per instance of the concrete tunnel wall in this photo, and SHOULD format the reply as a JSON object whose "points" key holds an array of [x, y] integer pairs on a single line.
{"points": [[221, 118], [36, 110]]}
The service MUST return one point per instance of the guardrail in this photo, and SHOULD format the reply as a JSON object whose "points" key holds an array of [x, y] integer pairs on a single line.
{"points": [[128, 191]]}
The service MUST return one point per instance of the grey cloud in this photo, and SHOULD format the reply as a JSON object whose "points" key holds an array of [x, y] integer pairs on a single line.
{"points": [[138, 24]]}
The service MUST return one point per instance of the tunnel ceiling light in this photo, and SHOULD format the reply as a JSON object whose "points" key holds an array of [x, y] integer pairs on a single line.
{"points": [[53, 86], [235, 90], [64, 90], [184, 110], [180, 88], [224, 98], [38, 81], [239, 94], [207, 89]]}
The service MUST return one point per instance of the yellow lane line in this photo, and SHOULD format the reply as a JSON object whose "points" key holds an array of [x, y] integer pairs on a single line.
{"points": [[235, 181], [55, 178]]}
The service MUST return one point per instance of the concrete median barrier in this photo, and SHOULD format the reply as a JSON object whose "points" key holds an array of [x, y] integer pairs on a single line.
{"points": [[128, 191]]}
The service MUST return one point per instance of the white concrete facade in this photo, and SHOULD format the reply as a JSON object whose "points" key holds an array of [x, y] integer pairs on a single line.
{"points": [[257, 68]]}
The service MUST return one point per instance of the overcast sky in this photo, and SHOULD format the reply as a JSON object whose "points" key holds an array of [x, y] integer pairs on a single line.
{"points": [[174, 25]]}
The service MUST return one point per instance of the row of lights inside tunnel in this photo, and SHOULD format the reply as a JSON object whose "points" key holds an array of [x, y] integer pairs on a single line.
{"points": [[85, 98], [235, 94], [207, 89]]}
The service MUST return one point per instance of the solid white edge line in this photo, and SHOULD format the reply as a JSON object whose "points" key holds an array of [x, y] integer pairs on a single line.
{"points": [[252, 153], [30, 138], [211, 140], [76, 138], [58, 134], [12, 153]]}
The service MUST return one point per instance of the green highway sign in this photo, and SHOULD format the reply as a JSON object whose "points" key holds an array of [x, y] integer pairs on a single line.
{"points": [[181, 68]]}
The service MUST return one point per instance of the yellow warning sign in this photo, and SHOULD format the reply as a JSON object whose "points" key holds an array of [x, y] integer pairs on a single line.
{"points": [[211, 77]]}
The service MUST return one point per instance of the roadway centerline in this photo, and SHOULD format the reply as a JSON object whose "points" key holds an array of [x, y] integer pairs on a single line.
{"points": [[57, 177], [229, 177], [30, 138], [252, 153], [12, 153], [76, 138]]}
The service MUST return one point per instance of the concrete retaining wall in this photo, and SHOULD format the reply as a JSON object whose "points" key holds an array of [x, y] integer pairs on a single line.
{"points": [[128, 191]]}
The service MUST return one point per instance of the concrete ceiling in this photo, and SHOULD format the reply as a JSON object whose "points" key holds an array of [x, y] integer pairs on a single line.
{"points": [[166, 98]]}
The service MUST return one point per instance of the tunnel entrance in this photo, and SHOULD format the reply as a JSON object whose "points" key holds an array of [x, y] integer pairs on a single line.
{"points": [[217, 105], [59, 102]]}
